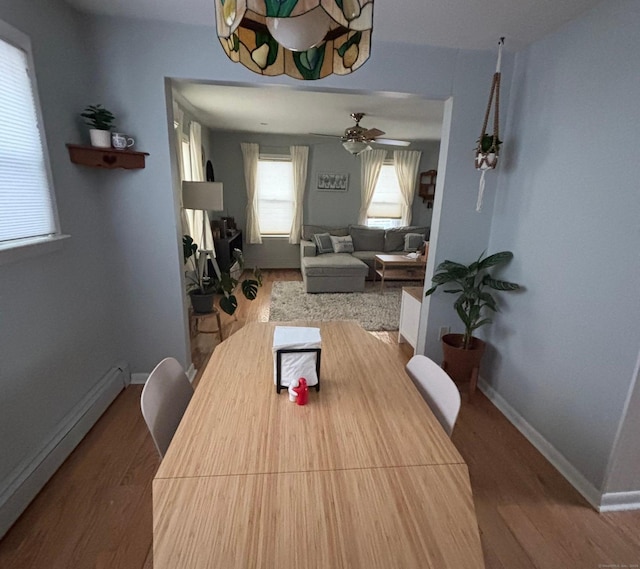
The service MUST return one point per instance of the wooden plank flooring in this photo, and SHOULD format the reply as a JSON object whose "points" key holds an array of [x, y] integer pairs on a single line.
{"points": [[96, 511]]}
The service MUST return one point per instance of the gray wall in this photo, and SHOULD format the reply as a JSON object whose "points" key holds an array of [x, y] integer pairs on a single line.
{"points": [[322, 208], [568, 206], [58, 311]]}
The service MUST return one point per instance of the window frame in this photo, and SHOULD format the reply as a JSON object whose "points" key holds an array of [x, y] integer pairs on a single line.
{"points": [[275, 158], [25, 247], [392, 221]]}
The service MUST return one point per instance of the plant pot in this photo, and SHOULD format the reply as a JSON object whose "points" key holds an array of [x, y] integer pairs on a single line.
{"points": [[202, 303], [462, 365], [486, 161], [100, 138]]}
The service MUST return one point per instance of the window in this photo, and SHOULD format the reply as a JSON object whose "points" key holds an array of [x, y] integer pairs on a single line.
{"points": [[385, 208], [27, 206], [275, 195]]}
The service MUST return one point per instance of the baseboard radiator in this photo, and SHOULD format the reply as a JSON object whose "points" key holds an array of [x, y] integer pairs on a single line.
{"points": [[28, 478]]}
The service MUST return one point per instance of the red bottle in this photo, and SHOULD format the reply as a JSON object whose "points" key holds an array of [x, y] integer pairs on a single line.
{"points": [[303, 392]]}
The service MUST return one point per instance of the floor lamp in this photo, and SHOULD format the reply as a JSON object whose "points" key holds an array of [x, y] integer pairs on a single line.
{"points": [[202, 197]]}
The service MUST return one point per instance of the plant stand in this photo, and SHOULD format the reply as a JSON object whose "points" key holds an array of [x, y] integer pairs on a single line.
{"points": [[198, 317]]}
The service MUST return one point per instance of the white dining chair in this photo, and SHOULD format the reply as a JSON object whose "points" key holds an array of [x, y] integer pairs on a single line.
{"points": [[164, 399], [437, 389]]}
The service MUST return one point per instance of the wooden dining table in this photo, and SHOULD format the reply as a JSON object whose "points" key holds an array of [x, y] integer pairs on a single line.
{"points": [[363, 476]]}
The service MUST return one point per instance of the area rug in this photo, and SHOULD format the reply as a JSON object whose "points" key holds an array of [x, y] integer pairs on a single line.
{"points": [[374, 311]]}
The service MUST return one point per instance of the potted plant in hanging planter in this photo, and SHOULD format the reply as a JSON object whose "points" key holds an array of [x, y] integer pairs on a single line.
{"points": [[203, 289], [487, 151], [463, 352], [101, 122]]}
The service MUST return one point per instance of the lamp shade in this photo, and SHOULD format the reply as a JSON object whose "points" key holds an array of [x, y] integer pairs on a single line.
{"points": [[202, 195], [305, 39], [355, 146]]}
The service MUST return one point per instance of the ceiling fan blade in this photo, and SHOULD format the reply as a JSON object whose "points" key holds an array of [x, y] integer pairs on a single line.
{"points": [[373, 133], [391, 142], [327, 135]]}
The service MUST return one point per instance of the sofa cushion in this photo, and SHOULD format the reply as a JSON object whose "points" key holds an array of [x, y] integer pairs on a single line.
{"points": [[342, 244], [309, 230], [366, 238], [413, 241], [323, 243], [333, 264], [394, 238]]}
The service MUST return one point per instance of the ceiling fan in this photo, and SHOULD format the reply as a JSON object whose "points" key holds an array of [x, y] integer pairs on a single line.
{"points": [[356, 138]]}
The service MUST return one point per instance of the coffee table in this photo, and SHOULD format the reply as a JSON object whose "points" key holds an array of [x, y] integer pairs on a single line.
{"points": [[398, 268]]}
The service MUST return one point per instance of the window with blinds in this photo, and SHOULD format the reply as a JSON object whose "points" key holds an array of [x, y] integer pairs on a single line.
{"points": [[385, 209], [275, 195], [27, 208]]}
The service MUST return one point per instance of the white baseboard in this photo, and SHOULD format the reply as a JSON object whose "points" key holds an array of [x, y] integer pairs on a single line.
{"points": [[28, 478], [557, 459], [617, 501], [139, 378]]}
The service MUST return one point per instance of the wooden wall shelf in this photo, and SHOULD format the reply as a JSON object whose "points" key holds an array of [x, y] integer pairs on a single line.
{"points": [[106, 157]]}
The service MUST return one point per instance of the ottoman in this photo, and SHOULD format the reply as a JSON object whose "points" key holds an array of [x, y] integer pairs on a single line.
{"points": [[333, 272]]}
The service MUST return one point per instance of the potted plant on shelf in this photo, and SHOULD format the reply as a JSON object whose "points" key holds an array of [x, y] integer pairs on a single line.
{"points": [[487, 151], [101, 122], [202, 289], [463, 352]]}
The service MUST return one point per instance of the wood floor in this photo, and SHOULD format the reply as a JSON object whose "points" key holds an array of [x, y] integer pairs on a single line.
{"points": [[96, 511]]}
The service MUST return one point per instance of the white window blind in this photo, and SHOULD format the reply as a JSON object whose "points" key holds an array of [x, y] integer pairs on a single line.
{"points": [[275, 196], [386, 197], [26, 202]]}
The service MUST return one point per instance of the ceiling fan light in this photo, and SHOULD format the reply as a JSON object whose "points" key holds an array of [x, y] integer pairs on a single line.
{"points": [[300, 33], [355, 147]]}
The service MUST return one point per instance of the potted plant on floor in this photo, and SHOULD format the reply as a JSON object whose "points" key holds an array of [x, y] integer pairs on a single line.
{"points": [[203, 289], [101, 122], [463, 352]]}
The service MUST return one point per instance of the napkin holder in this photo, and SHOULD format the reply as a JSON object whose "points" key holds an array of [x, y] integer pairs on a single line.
{"points": [[297, 352]]}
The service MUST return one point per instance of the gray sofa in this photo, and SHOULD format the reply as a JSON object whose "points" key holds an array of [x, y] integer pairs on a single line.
{"points": [[346, 272]]}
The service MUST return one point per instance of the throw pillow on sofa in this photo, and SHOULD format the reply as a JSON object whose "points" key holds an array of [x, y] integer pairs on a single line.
{"points": [[323, 243], [342, 244], [367, 238], [413, 241]]}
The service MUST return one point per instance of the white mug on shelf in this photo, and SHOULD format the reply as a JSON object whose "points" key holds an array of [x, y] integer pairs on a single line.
{"points": [[121, 141]]}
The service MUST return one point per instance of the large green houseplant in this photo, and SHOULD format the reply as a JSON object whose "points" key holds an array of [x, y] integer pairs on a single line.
{"points": [[471, 283], [203, 289]]}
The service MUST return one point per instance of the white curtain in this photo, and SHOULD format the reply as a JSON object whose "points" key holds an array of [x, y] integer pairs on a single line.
{"points": [[178, 117], [197, 219], [250, 155], [406, 164], [370, 166], [299, 160]]}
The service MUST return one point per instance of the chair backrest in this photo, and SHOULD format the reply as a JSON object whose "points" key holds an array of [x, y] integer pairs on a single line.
{"points": [[164, 400], [437, 389]]}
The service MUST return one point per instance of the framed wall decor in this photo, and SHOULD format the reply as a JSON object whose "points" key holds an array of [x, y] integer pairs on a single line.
{"points": [[333, 182]]}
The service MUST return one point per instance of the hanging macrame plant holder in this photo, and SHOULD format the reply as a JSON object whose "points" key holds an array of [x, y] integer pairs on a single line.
{"points": [[488, 149]]}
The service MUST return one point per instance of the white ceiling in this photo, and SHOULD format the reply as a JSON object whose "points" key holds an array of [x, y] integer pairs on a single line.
{"points": [[288, 110], [466, 24]]}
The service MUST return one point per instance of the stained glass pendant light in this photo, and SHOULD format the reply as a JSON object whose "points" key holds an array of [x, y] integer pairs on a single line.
{"points": [[305, 39]]}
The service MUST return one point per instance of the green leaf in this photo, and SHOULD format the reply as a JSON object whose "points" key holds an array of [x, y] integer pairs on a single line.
{"points": [[229, 304], [309, 63], [496, 259], [489, 301], [453, 291], [448, 265], [250, 288], [463, 315], [442, 278], [500, 285], [431, 290], [481, 323]]}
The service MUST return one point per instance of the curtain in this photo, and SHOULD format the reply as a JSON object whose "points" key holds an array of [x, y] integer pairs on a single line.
{"points": [[370, 165], [250, 155], [198, 220], [178, 117], [406, 164], [299, 160]]}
